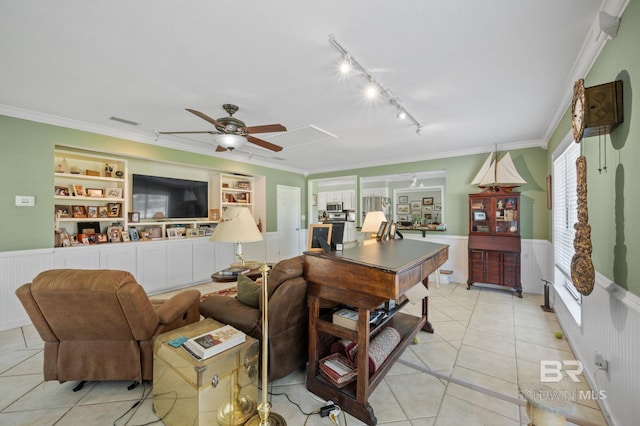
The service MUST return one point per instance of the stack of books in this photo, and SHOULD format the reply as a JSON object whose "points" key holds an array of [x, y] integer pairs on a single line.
{"points": [[213, 342], [348, 318], [338, 370]]}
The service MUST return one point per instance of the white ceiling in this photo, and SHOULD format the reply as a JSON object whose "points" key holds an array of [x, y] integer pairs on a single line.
{"points": [[473, 73]]}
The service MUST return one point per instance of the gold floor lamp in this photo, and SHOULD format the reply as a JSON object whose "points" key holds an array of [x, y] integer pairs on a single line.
{"points": [[238, 226]]}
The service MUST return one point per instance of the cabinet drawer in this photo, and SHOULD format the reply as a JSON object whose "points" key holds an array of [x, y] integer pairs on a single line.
{"points": [[509, 258], [509, 280], [509, 270], [476, 256]]}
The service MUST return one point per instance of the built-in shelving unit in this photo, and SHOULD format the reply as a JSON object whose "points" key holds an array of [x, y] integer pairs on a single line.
{"points": [[232, 191]]}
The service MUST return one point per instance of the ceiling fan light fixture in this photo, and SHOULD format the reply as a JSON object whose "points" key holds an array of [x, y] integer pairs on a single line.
{"points": [[230, 141], [345, 65], [401, 114]]}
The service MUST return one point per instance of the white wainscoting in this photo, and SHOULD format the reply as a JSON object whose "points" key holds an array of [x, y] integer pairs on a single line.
{"points": [[611, 327]]}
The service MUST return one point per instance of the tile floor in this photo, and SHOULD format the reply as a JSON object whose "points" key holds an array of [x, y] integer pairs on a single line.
{"points": [[484, 336]]}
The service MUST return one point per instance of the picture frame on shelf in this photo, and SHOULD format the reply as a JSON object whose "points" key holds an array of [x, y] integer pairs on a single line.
{"points": [[79, 211], [88, 227], [214, 214], [172, 233], [61, 191], [92, 211], [403, 199], [95, 192], [125, 237], [103, 212], [192, 232], [427, 209], [133, 234], [427, 201], [134, 217], [78, 190], [416, 205], [113, 209], [63, 211], [479, 216], [318, 232], [403, 208], [114, 192], [102, 238], [115, 234]]}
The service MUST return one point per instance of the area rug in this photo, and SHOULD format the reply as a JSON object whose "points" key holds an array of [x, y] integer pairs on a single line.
{"points": [[231, 291]]}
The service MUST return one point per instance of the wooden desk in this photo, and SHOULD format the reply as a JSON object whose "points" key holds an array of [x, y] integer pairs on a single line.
{"points": [[365, 277]]}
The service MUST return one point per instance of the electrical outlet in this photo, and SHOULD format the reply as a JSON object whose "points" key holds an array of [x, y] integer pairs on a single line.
{"points": [[601, 363]]}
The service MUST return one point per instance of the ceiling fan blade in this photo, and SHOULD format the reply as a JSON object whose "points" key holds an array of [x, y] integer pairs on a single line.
{"points": [[175, 133], [267, 128], [220, 148], [264, 144], [205, 117]]}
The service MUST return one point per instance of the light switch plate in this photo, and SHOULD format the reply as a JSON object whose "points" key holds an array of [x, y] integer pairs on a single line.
{"points": [[25, 200]]}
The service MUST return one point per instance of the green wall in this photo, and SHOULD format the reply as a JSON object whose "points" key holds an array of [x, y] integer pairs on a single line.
{"points": [[613, 200], [27, 161], [531, 164]]}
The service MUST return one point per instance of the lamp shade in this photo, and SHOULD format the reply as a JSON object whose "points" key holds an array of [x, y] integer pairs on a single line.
{"points": [[372, 221], [230, 141], [237, 226]]}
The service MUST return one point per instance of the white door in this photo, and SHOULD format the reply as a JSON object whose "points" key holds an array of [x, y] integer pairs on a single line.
{"points": [[288, 221]]}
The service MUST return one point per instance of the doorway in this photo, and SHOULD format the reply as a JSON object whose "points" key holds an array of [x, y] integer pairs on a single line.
{"points": [[288, 212]]}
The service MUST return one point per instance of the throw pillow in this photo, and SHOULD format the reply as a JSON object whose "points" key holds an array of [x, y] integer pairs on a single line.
{"points": [[248, 291]]}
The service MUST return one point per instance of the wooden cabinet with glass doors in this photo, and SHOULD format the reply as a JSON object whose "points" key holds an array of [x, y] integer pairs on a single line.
{"points": [[494, 239]]}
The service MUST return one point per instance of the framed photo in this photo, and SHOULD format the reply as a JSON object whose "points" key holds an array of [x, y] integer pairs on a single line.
{"points": [[427, 201], [133, 234], [61, 191], [437, 207], [134, 217], [192, 232], [115, 234], [114, 192], [393, 227], [427, 209], [415, 205], [479, 216], [202, 232], [78, 190], [92, 211], [428, 216], [403, 208], [102, 238], [403, 218], [95, 192], [319, 233], [124, 236], [172, 233], [403, 199], [113, 209], [88, 227], [382, 230], [79, 211], [103, 211], [214, 214], [62, 210]]}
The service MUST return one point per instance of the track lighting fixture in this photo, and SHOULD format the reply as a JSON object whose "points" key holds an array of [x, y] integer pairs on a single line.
{"points": [[374, 88]]}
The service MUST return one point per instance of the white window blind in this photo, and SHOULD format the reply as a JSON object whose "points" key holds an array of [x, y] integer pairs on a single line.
{"points": [[565, 212]]}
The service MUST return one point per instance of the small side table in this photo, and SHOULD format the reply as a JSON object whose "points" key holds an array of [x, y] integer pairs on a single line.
{"points": [[222, 389], [220, 278]]}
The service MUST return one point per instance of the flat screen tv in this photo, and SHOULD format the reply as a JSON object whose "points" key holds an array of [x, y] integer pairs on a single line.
{"points": [[158, 197]]}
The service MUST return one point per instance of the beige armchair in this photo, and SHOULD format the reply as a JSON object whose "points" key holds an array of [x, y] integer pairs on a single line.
{"points": [[99, 325]]}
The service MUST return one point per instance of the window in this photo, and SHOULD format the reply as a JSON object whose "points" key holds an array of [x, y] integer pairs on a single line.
{"points": [[564, 217]]}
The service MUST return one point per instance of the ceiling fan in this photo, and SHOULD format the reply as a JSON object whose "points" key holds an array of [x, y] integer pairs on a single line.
{"points": [[232, 133]]}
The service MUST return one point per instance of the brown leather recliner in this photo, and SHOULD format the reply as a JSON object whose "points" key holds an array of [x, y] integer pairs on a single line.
{"points": [[288, 316], [99, 325]]}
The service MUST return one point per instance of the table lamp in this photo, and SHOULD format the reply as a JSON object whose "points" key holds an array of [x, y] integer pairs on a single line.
{"points": [[237, 226], [372, 223]]}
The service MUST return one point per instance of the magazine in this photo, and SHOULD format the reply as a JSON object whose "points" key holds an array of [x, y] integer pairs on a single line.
{"points": [[213, 342]]}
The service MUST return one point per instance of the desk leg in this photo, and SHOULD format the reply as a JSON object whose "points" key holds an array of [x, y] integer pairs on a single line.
{"points": [[314, 357], [425, 309]]}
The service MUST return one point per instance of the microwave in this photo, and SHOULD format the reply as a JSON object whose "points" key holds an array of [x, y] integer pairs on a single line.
{"points": [[334, 206]]}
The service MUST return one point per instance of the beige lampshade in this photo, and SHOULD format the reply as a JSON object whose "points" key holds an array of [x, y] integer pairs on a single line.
{"points": [[372, 221], [237, 226]]}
